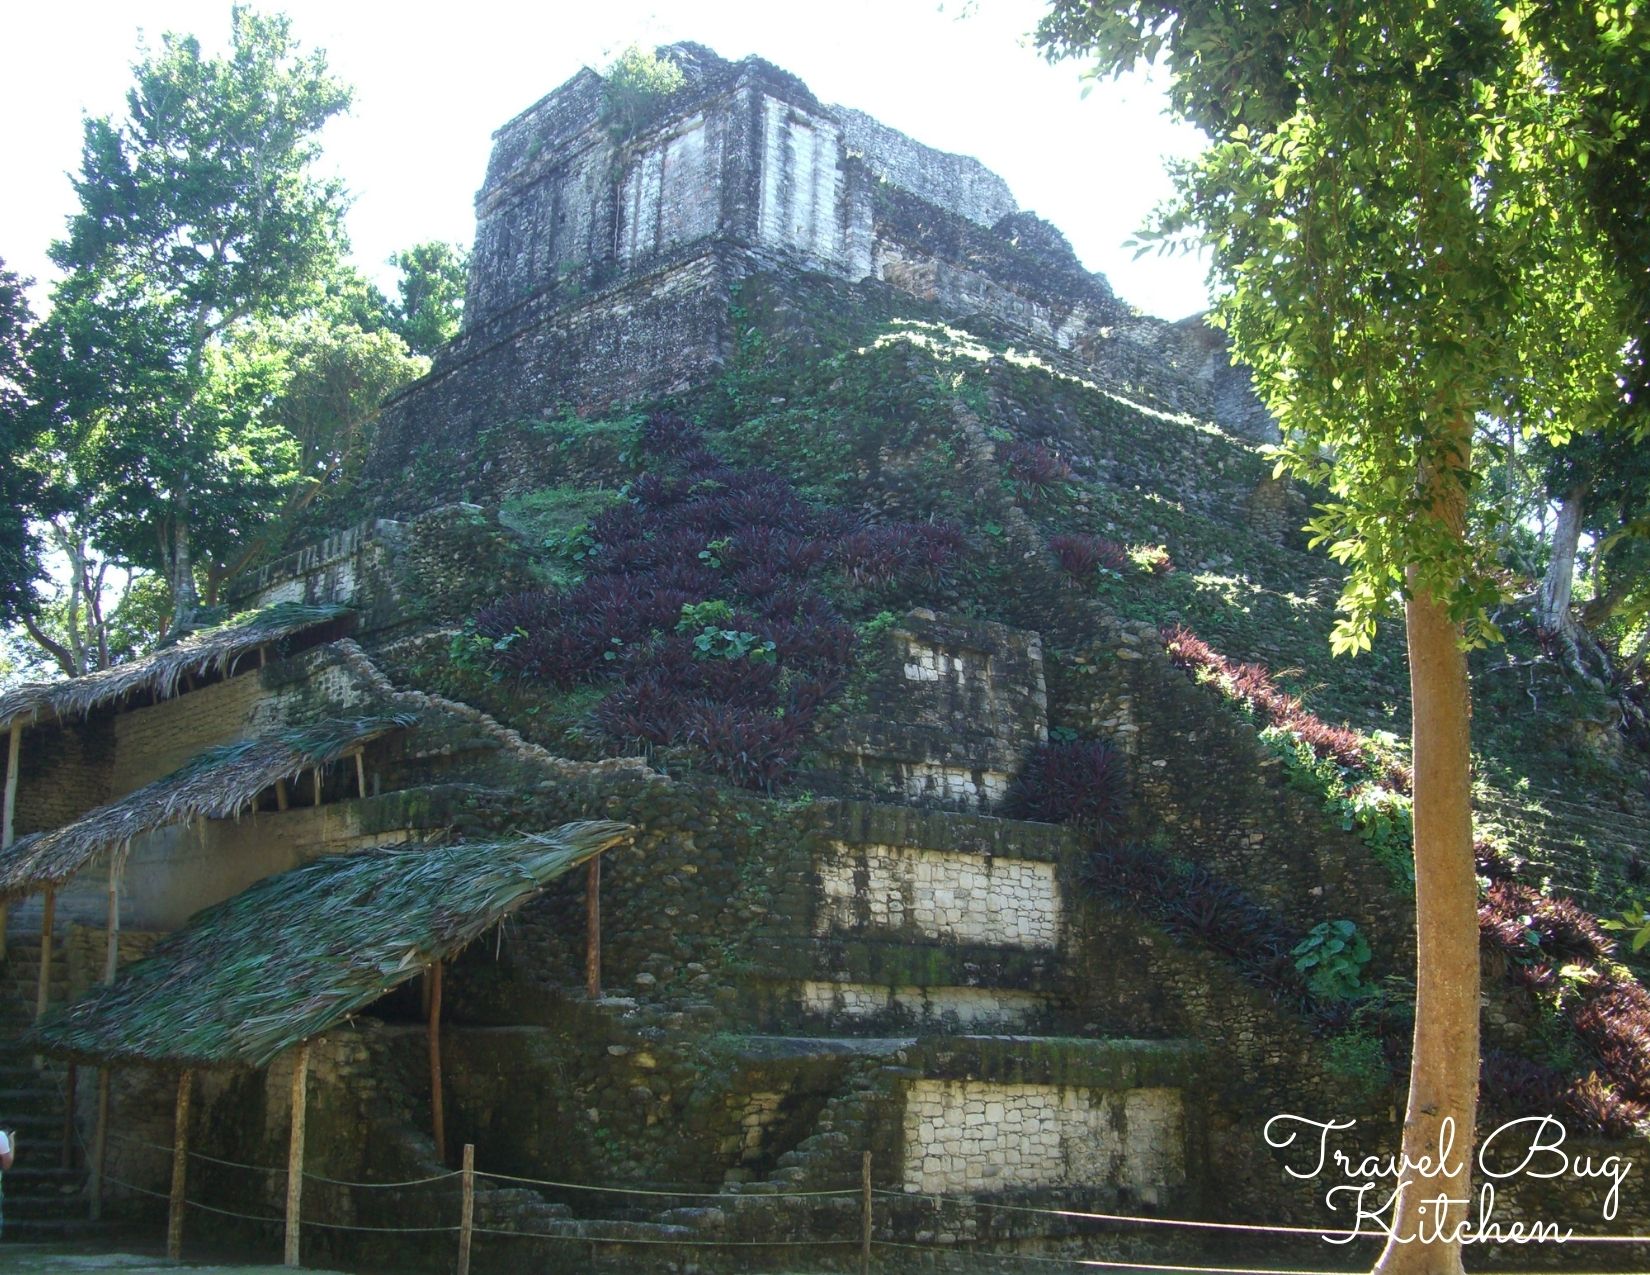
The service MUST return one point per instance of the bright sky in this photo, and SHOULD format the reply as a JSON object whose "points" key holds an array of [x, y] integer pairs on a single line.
{"points": [[432, 81]]}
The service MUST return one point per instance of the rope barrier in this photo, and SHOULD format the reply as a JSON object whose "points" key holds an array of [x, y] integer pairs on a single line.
{"points": [[1138, 1221], [398, 1230], [1096, 1263], [310, 1177], [436, 1177], [1189, 1224], [1021, 1259], [678, 1195]]}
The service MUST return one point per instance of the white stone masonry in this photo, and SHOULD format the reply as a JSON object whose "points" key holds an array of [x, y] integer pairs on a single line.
{"points": [[966, 1136], [968, 898]]}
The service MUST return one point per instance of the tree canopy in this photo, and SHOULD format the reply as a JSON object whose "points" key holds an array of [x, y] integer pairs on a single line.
{"points": [[1393, 196], [200, 215], [19, 484]]}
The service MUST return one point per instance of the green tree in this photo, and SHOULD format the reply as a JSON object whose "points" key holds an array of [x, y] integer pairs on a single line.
{"points": [[431, 295], [199, 217], [1391, 194], [19, 484], [638, 85]]}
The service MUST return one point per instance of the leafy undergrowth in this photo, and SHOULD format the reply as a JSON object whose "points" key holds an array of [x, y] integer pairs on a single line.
{"points": [[1596, 1049], [702, 608]]}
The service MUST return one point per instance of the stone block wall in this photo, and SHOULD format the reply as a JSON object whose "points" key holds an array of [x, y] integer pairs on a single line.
{"points": [[949, 718], [938, 895], [963, 1137], [63, 770]]}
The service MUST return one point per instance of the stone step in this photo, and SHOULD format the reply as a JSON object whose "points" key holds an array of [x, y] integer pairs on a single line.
{"points": [[49, 1230]]}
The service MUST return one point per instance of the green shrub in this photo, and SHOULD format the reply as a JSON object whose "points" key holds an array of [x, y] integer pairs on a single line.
{"points": [[638, 85], [1332, 958], [1357, 1060]]}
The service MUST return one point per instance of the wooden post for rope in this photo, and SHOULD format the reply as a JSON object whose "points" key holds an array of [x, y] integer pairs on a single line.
{"points": [[180, 1166], [438, 1119], [593, 929], [865, 1214], [467, 1208], [295, 1152]]}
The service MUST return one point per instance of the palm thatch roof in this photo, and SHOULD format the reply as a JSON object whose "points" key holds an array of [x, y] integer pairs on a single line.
{"points": [[214, 785], [160, 672], [294, 954]]}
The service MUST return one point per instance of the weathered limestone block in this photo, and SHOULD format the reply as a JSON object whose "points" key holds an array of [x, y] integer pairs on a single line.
{"points": [[927, 1006], [968, 1136], [939, 894], [950, 723]]}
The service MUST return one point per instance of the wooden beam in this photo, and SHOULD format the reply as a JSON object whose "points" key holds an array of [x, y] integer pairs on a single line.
{"points": [[438, 1115], [593, 929], [111, 946], [281, 798], [360, 772], [180, 1167], [70, 1082], [317, 773], [111, 962], [48, 918], [295, 1153], [8, 817], [100, 1145]]}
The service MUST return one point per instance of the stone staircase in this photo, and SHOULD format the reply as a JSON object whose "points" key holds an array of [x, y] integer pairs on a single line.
{"points": [[44, 1198], [937, 966]]}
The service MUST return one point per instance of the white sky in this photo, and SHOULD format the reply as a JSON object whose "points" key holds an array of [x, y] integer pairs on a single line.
{"points": [[433, 81]]}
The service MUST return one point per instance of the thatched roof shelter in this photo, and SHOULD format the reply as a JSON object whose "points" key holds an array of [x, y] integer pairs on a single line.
{"points": [[216, 784], [294, 954], [160, 673]]}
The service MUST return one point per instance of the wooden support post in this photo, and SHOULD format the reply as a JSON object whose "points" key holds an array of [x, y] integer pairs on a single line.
{"points": [[8, 816], [360, 773], [865, 1214], [111, 949], [100, 1145], [70, 1082], [593, 929], [317, 773], [111, 962], [295, 1152], [48, 918], [467, 1208], [438, 1118], [180, 1167], [281, 799]]}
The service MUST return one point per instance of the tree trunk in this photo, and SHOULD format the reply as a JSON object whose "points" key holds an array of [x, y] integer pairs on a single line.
{"points": [[1443, 1079], [185, 601], [1553, 609]]}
